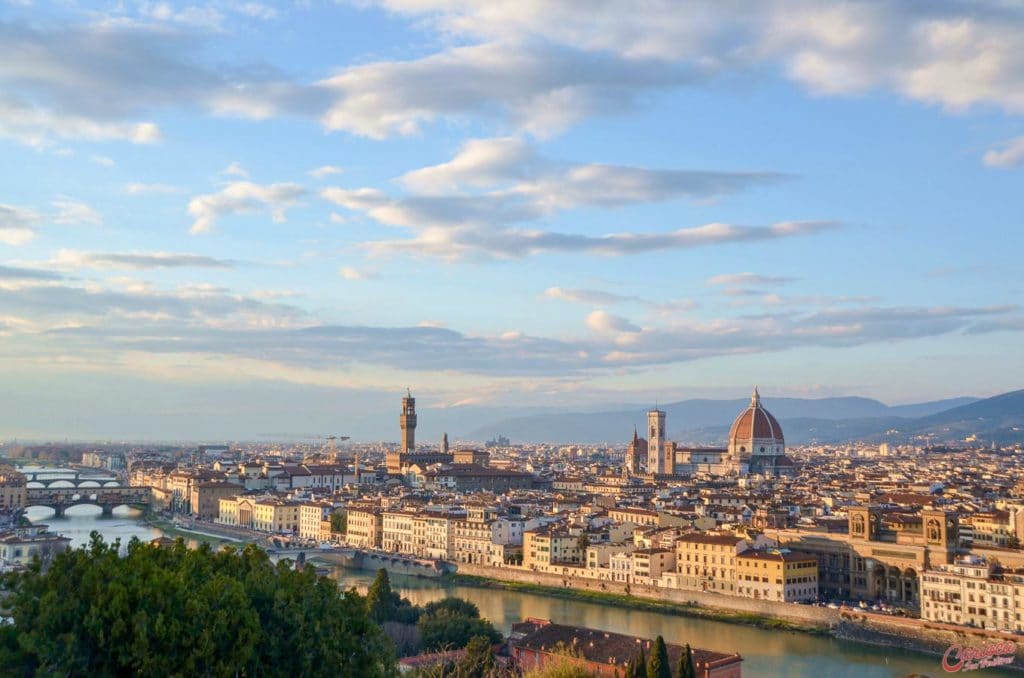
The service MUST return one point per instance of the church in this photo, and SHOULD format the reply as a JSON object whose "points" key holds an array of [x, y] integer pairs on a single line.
{"points": [[756, 447]]}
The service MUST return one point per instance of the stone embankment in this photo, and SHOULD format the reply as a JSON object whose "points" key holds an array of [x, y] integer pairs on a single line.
{"points": [[808, 615], [919, 635]]}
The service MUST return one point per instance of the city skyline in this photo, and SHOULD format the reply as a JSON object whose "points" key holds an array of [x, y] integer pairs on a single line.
{"points": [[207, 210]]}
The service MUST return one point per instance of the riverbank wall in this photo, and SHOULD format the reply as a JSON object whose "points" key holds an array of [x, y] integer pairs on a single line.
{"points": [[919, 635], [372, 561], [808, 616]]}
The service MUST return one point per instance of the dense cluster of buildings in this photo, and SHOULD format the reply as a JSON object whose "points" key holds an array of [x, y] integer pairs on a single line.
{"points": [[929, 531]]}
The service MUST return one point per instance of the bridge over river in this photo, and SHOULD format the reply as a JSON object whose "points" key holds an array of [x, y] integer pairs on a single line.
{"points": [[107, 498]]}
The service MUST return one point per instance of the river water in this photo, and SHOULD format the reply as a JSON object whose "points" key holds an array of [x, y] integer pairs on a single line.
{"points": [[766, 653]]}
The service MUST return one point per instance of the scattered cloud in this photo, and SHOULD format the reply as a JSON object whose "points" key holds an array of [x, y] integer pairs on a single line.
{"points": [[72, 259], [235, 169], [17, 225], [19, 273], [74, 212], [513, 164], [474, 204], [954, 55], [749, 279], [602, 321], [1007, 155], [349, 273], [323, 171], [242, 197], [103, 160], [586, 296]]}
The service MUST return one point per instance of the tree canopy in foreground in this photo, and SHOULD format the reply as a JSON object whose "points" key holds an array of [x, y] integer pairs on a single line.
{"points": [[185, 612]]}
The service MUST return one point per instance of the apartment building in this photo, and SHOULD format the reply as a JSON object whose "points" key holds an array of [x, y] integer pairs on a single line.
{"points": [[311, 515], [364, 527], [777, 574], [707, 562], [970, 592]]}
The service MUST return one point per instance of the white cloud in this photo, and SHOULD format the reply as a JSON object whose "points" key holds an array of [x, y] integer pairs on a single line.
{"points": [[1008, 154], [74, 212], [323, 171], [242, 197], [16, 225], [586, 296], [39, 127], [602, 321], [752, 279], [507, 184], [350, 273], [235, 169], [103, 160], [74, 259], [541, 89], [957, 55]]}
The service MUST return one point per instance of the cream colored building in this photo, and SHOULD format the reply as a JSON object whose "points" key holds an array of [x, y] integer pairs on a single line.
{"points": [[396, 534], [549, 546], [276, 516], [968, 592], [781, 575], [363, 527], [707, 562], [311, 515]]}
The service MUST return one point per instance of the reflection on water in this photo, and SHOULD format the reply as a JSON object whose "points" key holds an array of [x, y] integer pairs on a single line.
{"points": [[79, 521], [766, 653]]}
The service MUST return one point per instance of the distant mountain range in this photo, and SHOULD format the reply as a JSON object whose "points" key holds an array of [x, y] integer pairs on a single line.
{"points": [[824, 420]]}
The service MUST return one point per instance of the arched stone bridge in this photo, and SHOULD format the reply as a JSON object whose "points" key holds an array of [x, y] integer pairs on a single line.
{"points": [[107, 498], [76, 480]]}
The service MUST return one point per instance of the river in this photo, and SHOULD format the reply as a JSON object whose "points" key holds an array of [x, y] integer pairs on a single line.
{"points": [[767, 653]]}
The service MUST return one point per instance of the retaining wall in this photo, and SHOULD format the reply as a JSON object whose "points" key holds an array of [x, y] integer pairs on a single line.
{"points": [[808, 614]]}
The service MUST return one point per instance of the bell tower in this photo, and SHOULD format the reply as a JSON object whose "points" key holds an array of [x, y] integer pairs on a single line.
{"points": [[407, 421], [656, 441]]}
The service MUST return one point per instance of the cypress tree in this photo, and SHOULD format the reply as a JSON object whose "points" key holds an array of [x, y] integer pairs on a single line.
{"points": [[641, 664], [657, 666], [686, 667]]}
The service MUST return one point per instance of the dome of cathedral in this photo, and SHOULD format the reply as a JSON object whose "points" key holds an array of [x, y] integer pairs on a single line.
{"points": [[754, 428]]}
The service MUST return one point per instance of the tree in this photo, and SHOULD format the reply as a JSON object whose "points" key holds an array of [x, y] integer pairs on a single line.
{"points": [[339, 521], [380, 599], [451, 623], [657, 665], [686, 667], [582, 542], [478, 662], [640, 665], [174, 611]]}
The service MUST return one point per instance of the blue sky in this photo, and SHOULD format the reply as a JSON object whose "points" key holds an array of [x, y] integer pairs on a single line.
{"points": [[501, 204]]}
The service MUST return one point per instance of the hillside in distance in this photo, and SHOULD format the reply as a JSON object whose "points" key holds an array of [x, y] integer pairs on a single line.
{"points": [[707, 421]]}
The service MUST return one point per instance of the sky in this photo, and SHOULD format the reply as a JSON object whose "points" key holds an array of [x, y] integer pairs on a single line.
{"points": [[234, 217]]}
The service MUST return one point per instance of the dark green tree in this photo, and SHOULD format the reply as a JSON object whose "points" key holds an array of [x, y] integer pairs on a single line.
{"points": [[339, 521], [582, 543], [640, 664], [686, 667], [657, 665], [175, 611], [451, 623], [380, 599]]}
